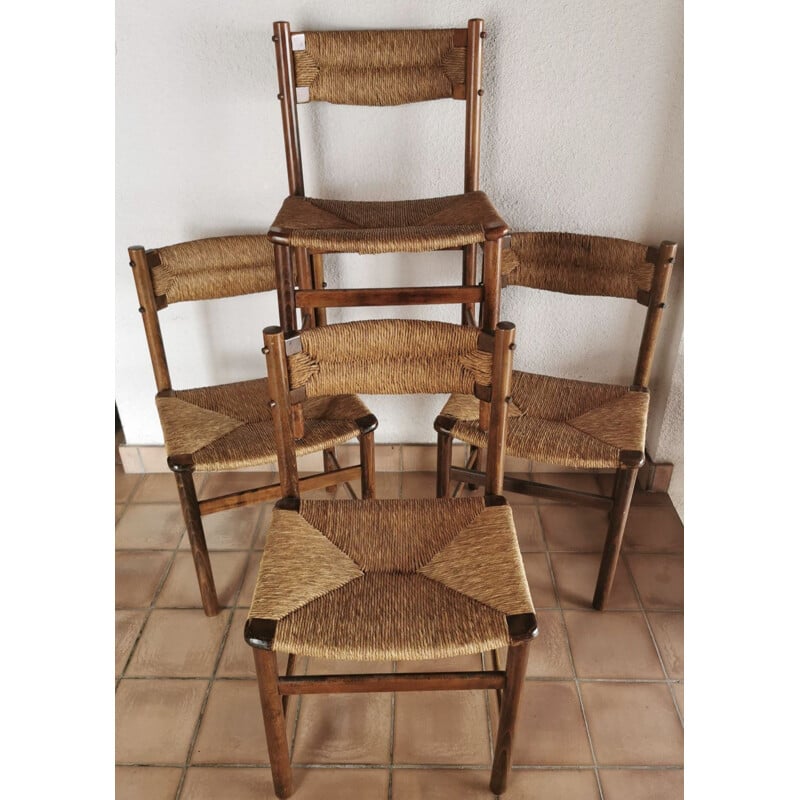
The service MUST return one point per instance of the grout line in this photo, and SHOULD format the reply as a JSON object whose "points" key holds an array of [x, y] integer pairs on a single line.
{"points": [[441, 767]]}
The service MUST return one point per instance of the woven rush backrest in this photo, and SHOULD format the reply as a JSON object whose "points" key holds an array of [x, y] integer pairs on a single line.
{"points": [[380, 68], [390, 357], [222, 266], [579, 264]]}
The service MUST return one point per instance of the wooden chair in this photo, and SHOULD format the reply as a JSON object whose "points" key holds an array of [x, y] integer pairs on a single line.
{"points": [[389, 579], [568, 422], [229, 427], [380, 68]]}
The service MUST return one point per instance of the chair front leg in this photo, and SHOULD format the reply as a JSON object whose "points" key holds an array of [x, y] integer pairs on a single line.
{"points": [[274, 721], [444, 460]]}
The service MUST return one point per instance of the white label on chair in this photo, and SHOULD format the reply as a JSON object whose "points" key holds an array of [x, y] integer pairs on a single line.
{"points": [[298, 41], [301, 93]]}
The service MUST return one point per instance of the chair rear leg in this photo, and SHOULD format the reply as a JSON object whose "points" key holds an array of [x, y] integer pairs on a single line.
{"points": [[515, 680], [329, 464], [184, 476], [366, 447], [477, 460], [274, 721], [623, 494], [444, 459]]}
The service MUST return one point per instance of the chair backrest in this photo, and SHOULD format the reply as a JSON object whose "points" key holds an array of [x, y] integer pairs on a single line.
{"points": [[379, 68], [389, 357], [204, 269], [599, 266]]}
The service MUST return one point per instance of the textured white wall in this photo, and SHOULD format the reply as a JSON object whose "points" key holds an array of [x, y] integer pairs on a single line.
{"points": [[582, 131]]}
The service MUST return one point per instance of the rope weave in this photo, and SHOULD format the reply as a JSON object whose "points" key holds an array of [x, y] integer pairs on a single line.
{"points": [[380, 68], [224, 266], [390, 357], [577, 264]]}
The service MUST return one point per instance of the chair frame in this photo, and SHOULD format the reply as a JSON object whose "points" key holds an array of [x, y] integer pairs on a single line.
{"points": [[619, 502], [312, 296], [274, 689], [142, 262]]}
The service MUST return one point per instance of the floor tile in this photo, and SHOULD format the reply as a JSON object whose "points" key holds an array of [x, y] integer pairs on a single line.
{"points": [[441, 784], [387, 485], [578, 481], [249, 583], [156, 488], [229, 530], [181, 643], [540, 582], [529, 529], [157, 526], [441, 728], [119, 510], [323, 666], [550, 727], [612, 644], [232, 730], [155, 719], [633, 724], [576, 577], [668, 630], [653, 529], [642, 784], [552, 784], [517, 498], [678, 688], [659, 579], [180, 589], [574, 528], [418, 484], [219, 483], [548, 655], [153, 783], [343, 729], [128, 625], [124, 484], [138, 576]]}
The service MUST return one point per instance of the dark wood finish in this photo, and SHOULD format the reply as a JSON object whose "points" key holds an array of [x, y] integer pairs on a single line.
{"points": [[318, 278], [397, 296], [515, 681], [274, 721], [366, 446], [287, 309], [278, 382], [197, 540], [301, 266], [473, 92], [444, 454], [329, 464], [391, 682], [287, 96], [623, 492], [498, 423], [490, 310]]}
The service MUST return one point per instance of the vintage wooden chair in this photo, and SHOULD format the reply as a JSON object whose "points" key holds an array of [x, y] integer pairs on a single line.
{"points": [[389, 579], [568, 422], [229, 427], [380, 68]]}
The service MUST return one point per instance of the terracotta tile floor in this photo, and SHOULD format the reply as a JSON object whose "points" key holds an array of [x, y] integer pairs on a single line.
{"points": [[601, 717]]}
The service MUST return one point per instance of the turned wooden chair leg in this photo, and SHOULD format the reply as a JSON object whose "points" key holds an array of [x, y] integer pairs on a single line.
{"points": [[274, 721], [329, 464], [516, 665], [366, 446], [476, 460], [623, 494], [197, 539], [444, 458]]}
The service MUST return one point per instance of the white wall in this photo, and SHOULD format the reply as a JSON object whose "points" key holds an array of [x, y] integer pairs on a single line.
{"points": [[582, 131]]}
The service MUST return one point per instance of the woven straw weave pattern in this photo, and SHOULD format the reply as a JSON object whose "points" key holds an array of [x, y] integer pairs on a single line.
{"points": [[380, 68], [560, 421], [230, 427], [390, 357], [224, 266], [577, 264], [439, 581]]}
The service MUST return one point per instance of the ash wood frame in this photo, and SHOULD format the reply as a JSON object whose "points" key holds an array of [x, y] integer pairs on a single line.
{"points": [[274, 689], [619, 502], [312, 292], [142, 262]]}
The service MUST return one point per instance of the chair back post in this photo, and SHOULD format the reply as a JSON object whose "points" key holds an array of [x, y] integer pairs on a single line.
{"points": [[474, 92], [287, 94], [278, 386], [285, 280], [655, 310], [501, 397], [140, 262]]}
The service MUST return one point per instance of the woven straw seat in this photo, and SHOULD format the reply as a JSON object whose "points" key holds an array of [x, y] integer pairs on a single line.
{"points": [[341, 226], [560, 421], [564, 422], [230, 426], [391, 579]]}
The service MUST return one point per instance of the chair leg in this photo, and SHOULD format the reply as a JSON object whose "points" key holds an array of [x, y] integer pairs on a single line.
{"points": [[366, 446], [444, 458], [274, 720], [515, 680], [623, 494], [477, 458], [197, 540], [329, 464]]}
